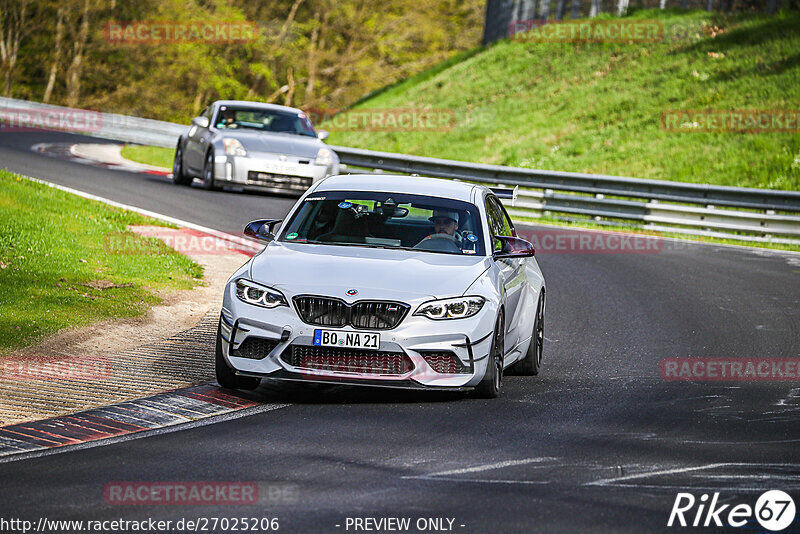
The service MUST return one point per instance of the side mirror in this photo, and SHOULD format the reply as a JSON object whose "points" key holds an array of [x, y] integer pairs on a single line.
{"points": [[200, 122], [323, 134], [513, 247], [261, 229]]}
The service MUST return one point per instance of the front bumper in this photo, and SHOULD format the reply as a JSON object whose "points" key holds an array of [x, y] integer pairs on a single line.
{"points": [[267, 172], [280, 331]]}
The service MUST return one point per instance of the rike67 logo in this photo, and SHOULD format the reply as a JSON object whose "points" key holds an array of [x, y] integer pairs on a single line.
{"points": [[774, 510]]}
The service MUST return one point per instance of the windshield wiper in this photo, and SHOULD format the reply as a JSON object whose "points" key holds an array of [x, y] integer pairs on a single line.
{"points": [[338, 243], [367, 245]]}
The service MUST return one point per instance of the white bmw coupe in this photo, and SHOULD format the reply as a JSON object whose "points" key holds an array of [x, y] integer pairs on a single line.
{"points": [[390, 281]]}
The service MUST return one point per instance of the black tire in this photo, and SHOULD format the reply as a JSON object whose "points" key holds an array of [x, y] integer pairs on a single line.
{"points": [[225, 375], [491, 385], [179, 176], [208, 172], [532, 362]]}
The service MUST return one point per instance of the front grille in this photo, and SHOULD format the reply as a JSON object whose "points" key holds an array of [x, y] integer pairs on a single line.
{"points": [[365, 314], [279, 181], [377, 315], [255, 348], [444, 362], [348, 360], [321, 311]]}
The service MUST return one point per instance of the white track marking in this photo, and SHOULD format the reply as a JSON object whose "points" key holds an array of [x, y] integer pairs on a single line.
{"points": [[484, 467], [748, 477], [633, 480], [486, 481], [241, 241], [684, 487], [679, 470], [794, 393]]}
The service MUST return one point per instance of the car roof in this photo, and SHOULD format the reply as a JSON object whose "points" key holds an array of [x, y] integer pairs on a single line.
{"points": [[391, 183], [251, 104]]}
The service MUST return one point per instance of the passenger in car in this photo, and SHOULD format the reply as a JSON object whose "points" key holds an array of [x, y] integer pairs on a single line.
{"points": [[348, 228]]}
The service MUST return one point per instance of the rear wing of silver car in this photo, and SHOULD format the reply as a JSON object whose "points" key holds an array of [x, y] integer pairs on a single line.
{"points": [[505, 192]]}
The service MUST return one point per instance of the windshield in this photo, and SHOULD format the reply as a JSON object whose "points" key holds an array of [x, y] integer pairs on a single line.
{"points": [[387, 220], [265, 120]]}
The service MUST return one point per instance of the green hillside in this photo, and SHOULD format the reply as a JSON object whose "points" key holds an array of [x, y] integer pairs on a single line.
{"points": [[590, 107]]}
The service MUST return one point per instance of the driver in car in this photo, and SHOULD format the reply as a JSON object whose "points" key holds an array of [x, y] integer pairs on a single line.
{"points": [[445, 222], [445, 226], [226, 119]]}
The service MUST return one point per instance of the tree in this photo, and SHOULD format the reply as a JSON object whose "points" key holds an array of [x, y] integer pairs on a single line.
{"points": [[57, 51], [321, 53], [75, 69], [13, 29]]}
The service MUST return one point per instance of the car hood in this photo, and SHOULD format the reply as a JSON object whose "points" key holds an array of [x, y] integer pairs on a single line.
{"points": [[277, 143], [383, 274]]}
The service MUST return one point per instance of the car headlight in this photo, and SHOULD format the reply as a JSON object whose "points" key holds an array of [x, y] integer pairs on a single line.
{"points": [[233, 147], [259, 295], [324, 157], [454, 308]]}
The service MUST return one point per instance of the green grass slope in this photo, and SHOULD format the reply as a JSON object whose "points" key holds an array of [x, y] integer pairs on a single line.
{"points": [[596, 107], [57, 269]]}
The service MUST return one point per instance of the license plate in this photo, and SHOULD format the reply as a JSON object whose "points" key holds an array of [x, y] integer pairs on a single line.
{"points": [[280, 168], [349, 340]]}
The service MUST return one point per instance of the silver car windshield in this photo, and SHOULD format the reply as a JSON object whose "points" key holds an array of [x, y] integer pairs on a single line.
{"points": [[387, 220], [265, 120]]}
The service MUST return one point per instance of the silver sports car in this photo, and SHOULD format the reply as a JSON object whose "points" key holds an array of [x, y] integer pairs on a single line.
{"points": [[252, 145], [393, 281]]}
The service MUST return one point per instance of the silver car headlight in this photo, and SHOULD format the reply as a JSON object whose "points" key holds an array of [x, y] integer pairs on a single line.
{"points": [[454, 308], [233, 147], [259, 295], [324, 157]]}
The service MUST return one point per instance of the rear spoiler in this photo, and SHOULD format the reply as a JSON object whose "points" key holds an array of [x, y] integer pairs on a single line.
{"points": [[504, 192]]}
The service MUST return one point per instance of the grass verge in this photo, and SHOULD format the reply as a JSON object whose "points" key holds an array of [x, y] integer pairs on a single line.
{"points": [[57, 273], [149, 155]]}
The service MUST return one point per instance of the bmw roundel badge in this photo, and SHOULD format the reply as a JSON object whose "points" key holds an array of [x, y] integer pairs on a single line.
{"points": [[352, 292]]}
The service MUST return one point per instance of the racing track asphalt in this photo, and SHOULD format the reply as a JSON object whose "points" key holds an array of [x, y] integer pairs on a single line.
{"points": [[599, 442]]}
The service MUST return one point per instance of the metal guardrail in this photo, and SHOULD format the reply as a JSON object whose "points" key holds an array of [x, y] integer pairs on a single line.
{"points": [[657, 204], [679, 207], [106, 125]]}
